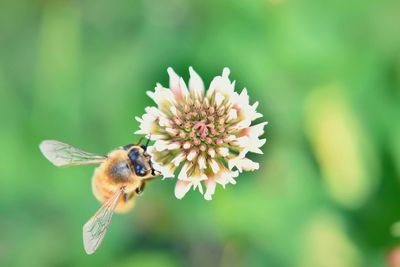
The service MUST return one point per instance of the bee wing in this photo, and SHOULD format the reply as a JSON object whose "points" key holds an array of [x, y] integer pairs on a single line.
{"points": [[61, 154], [96, 228]]}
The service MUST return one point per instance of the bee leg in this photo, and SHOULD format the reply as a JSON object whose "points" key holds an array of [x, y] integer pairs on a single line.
{"points": [[140, 189], [127, 197]]}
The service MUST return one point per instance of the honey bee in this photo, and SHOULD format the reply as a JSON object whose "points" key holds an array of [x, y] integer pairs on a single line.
{"points": [[120, 177]]}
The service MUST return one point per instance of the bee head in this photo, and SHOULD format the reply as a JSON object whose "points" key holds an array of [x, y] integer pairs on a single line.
{"points": [[141, 161]]}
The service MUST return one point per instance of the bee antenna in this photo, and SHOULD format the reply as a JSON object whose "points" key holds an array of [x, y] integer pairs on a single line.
{"points": [[148, 141], [140, 140]]}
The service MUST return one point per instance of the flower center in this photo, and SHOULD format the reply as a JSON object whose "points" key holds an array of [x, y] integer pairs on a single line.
{"points": [[201, 124]]}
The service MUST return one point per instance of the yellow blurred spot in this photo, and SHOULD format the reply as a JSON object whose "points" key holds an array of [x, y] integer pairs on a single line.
{"points": [[340, 146], [325, 244]]}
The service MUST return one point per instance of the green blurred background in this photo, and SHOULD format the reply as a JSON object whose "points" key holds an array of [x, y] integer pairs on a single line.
{"points": [[326, 74]]}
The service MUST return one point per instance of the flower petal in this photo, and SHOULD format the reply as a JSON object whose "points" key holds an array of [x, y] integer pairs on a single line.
{"points": [[160, 145], [196, 181], [202, 162], [219, 98], [196, 85], [214, 166], [163, 97], [221, 84], [173, 79], [178, 159], [223, 151], [197, 184], [211, 152], [232, 115], [147, 122], [225, 177], [257, 130], [175, 84], [192, 155], [183, 173], [181, 188], [210, 185], [167, 171], [242, 163], [251, 144], [173, 146]]}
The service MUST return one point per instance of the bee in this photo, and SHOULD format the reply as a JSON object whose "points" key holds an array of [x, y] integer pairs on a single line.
{"points": [[119, 178]]}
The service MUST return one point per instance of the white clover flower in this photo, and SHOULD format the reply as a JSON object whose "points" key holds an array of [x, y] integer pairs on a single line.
{"points": [[203, 136]]}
